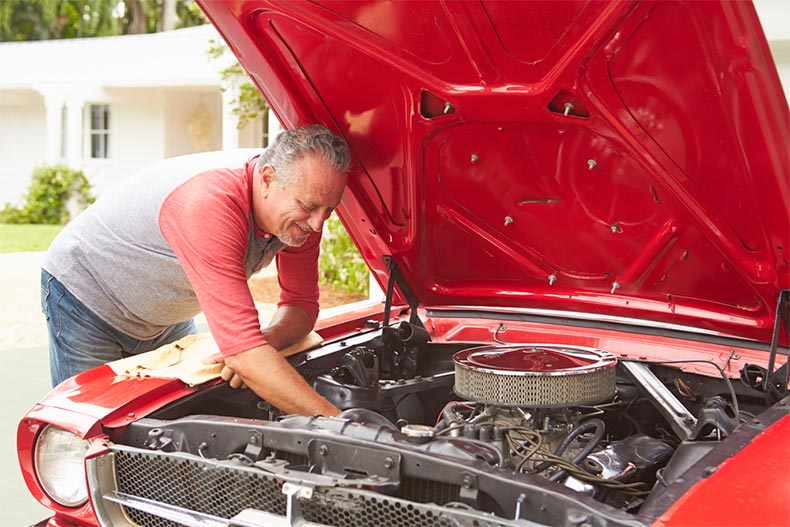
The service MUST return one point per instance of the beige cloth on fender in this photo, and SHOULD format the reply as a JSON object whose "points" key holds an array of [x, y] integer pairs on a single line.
{"points": [[183, 359]]}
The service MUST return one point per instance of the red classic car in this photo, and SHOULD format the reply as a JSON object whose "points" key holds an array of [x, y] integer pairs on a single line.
{"points": [[580, 212]]}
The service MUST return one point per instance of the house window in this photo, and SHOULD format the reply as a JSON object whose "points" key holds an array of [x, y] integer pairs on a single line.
{"points": [[99, 131], [64, 113]]}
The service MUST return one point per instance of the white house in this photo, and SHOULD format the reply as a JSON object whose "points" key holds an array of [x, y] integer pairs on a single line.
{"points": [[775, 19], [111, 105]]}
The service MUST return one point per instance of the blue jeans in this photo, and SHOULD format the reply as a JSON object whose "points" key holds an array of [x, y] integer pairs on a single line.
{"points": [[79, 340]]}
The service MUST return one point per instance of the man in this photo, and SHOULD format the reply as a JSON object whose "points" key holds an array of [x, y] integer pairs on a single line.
{"points": [[130, 272]]}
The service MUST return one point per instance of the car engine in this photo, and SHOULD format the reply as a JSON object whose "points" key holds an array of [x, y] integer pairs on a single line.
{"points": [[538, 432], [542, 409]]}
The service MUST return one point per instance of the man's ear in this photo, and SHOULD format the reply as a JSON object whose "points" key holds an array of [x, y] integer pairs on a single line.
{"points": [[267, 176]]}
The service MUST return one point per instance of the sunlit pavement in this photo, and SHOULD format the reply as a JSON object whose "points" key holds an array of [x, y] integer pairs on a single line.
{"points": [[21, 322]]}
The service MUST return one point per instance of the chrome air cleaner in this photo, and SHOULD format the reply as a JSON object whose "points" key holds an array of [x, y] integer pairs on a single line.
{"points": [[535, 375]]}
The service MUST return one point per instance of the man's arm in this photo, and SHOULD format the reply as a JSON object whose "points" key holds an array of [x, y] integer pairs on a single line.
{"points": [[269, 375], [288, 326]]}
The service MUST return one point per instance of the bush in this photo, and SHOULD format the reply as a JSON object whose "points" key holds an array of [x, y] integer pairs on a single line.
{"points": [[47, 197], [340, 264]]}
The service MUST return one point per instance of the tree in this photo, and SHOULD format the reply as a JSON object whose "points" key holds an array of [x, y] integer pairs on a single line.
{"points": [[136, 22], [54, 19]]}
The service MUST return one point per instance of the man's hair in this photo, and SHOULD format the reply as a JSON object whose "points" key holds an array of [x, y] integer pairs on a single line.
{"points": [[293, 145]]}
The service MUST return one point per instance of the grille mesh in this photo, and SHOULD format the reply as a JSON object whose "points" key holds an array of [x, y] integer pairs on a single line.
{"points": [[342, 509], [194, 485]]}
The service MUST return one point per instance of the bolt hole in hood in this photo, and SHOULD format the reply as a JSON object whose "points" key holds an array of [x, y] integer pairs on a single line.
{"points": [[619, 159]]}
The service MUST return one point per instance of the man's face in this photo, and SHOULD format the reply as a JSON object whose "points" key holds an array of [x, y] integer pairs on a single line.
{"points": [[295, 211]]}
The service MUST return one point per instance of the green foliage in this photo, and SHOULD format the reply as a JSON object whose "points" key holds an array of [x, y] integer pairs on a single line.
{"points": [[340, 264], [54, 19], [249, 104], [50, 189], [22, 20], [189, 14]]}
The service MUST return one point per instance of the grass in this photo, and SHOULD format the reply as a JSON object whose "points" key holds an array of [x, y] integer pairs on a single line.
{"points": [[26, 238]]}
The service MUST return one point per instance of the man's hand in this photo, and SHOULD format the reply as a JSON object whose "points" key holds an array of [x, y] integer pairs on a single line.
{"points": [[269, 375], [227, 374]]}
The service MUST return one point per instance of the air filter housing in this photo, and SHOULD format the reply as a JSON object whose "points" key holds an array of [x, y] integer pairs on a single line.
{"points": [[535, 375]]}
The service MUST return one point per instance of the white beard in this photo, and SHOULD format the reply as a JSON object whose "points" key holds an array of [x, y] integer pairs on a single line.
{"points": [[285, 237]]}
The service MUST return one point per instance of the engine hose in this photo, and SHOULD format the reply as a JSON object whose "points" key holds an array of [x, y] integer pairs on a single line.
{"points": [[586, 426], [449, 414], [451, 411], [599, 427]]}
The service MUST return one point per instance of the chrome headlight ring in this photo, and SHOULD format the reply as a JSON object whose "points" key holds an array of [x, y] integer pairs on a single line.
{"points": [[58, 457]]}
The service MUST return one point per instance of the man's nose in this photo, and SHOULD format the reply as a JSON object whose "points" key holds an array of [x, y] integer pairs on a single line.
{"points": [[317, 219]]}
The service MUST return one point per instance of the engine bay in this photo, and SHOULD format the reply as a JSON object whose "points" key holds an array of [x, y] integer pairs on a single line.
{"points": [[486, 427]]}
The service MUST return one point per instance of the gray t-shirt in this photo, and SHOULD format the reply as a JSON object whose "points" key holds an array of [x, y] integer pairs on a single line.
{"points": [[115, 260]]}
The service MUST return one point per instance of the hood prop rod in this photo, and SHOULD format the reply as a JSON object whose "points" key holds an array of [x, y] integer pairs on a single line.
{"points": [[401, 344], [396, 277], [775, 388]]}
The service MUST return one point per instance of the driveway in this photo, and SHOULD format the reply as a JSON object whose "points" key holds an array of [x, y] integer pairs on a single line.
{"points": [[23, 380]]}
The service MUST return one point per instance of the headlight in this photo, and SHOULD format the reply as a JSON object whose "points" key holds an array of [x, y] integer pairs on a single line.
{"points": [[59, 466]]}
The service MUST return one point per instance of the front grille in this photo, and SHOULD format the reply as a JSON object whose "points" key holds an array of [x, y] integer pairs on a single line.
{"points": [[354, 509], [223, 491], [196, 485]]}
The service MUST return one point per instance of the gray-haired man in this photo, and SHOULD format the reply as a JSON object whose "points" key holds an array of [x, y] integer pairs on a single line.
{"points": [[129, 273]]}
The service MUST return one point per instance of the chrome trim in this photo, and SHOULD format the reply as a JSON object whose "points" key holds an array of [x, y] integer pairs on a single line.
{"points": [[167, 512], [100, 472]]}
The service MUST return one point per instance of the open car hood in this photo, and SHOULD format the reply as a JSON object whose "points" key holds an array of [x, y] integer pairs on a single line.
{"points": [[611, 158]]}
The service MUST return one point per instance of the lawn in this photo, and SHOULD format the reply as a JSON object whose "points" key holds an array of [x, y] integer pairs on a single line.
{"points": [[26, 238]]}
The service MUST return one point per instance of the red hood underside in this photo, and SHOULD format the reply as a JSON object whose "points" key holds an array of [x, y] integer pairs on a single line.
{"points": [[614, 158]]}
